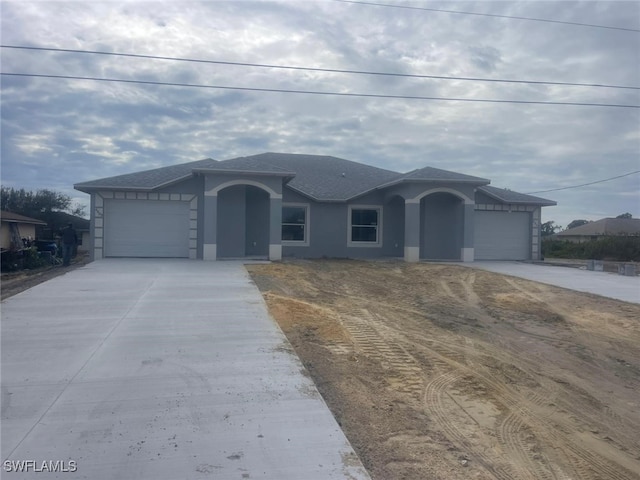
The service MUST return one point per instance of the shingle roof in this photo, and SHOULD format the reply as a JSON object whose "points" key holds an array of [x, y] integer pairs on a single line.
{"points": [[606, 226], [147, 179], [435, 174], [509, 196], [323, 177], [252, 164], [319, 177], [17, 218]]}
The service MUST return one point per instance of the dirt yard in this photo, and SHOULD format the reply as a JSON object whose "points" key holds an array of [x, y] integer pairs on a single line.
{"points": [[16, 282], [444, 372]]}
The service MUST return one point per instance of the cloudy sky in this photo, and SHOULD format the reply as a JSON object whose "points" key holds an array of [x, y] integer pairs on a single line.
{"points": [[56, 132]]}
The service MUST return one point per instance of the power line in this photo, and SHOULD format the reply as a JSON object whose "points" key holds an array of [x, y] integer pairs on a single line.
{"points": [[586, 184], [546, 20], [314, 69], [312, 92]]}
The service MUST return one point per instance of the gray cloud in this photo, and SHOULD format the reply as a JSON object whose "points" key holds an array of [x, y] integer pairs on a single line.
{"points": [[57, 132]]}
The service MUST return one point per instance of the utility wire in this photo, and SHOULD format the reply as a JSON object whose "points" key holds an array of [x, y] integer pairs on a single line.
{"points": [[586, 184], [577, 24], [312, 69], [312, 92]]}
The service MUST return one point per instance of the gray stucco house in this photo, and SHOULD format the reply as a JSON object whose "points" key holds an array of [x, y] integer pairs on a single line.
{"points": [[273, 205]]}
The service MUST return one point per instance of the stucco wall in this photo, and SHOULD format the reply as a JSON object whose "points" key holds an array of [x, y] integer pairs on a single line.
{"points": [[26, 230], [329, 228], [231, 225], [257, 222], [442, 225]]}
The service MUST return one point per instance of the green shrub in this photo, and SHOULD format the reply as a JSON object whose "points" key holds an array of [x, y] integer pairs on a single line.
{"points": [[620, 249], [32, 259], [11, 261]]}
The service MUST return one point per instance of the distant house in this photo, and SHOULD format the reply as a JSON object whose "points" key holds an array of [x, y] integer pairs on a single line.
{"points": [[274, 204], [56, 221], [607, 227], [15, 227]]}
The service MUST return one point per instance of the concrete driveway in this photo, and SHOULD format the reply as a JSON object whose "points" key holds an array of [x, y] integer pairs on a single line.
{"points": [[159, 369], [605, 284]]}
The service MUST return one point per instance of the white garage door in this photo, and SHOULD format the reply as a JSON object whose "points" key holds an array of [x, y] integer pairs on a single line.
{"points": [[502, 235], [146, 228]]}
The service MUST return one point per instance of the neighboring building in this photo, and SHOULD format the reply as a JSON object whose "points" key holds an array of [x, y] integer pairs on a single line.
{"points": [[14, 228], [607, 227], [56, 221], [273, 205]]}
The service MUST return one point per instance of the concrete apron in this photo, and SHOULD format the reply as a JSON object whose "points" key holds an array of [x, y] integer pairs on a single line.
{"points": [[604, 284], [160, 369]]}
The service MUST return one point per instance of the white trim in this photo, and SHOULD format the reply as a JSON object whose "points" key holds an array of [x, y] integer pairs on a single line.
{"points": [[378, 242], [307, 226], [505, 207], [452, 191], [214, 191], [209, 251], [275, 252], [467, 254], [411, 254]]}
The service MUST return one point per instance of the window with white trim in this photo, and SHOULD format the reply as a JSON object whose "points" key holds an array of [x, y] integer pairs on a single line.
{"points": [[364, 225], [294, 224]]}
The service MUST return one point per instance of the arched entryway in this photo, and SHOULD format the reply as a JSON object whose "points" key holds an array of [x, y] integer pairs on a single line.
{"points": [[243, 222], [441, 226]]}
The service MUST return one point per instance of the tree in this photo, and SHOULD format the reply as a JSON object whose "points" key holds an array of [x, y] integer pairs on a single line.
{"points": [[549, 228], [576, 223], [625, 215], [37, 204]]}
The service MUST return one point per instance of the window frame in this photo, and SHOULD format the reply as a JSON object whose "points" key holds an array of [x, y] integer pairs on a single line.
{"points": [[307, 226], [378, 242]]}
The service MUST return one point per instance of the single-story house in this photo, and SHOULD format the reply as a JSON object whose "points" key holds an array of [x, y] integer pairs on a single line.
{"points": [[15, 227], [606, 227], [56, 221], [273, 205]]}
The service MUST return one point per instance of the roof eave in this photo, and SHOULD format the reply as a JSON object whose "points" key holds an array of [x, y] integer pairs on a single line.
{"points": [[95, 188], [28, 222], [543, 203]]}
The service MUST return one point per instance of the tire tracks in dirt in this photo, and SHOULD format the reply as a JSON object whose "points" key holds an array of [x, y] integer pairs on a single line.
{"points": [[434, 337], [523, 410]]}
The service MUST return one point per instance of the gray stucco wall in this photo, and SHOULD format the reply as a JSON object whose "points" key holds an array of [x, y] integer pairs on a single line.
{"points": [[329, 228], [242, 222], [257, 222], [231, 222], [412, 190], [486, 199], [192, 185], [393, 228], [442, 227], [212, 182]]}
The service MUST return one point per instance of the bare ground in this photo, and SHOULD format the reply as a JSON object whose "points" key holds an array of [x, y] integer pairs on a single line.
{"points": [[16, 282], [444, 372]]}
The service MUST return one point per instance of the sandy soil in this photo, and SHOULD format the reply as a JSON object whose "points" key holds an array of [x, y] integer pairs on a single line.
{"points": [[444, 372]]}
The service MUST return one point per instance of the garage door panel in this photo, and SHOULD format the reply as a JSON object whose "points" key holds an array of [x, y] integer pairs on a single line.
{"points": [[502, 235], [146, 228]]}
